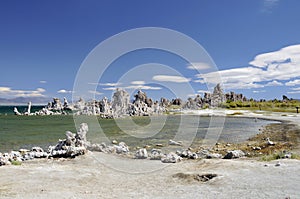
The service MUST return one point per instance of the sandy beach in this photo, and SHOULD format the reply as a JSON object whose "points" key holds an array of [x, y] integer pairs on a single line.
{"points": [[100, 175], [85, 177]]}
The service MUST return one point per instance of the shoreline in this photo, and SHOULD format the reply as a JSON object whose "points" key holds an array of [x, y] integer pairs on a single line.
{"points": [[82, 177]]}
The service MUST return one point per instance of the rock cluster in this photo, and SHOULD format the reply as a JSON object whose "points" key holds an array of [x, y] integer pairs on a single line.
{"points": [[171, 158], [213, 100], [73, 145], [234, 154]]}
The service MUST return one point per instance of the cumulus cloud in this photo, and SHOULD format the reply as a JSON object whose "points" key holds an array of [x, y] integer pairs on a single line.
{"points": [[266, 69], [199, 66], [284, 55], [293, 82], [170, 78], [63, 91], [9, 92]]}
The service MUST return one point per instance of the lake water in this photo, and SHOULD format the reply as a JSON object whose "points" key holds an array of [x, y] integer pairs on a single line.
{"points": [[26, 131]]}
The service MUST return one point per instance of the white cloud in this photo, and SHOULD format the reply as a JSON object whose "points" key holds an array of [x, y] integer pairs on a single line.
{"points": [[293, 82], [268, 5], [105, 84], [64, 91], [259, 91], [296, 89], [43, 82], [110, 84], [9, 92], [5, 89], [138, 82], [284, 55], [293, 92], [274, 83], [110, 88], [135, 87], [170, 78], [143, 87], [203, 91], [267, 69], [95, 92], [199, 66]]}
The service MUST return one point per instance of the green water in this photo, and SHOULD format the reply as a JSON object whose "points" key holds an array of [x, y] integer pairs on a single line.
{"points": [[26, 131]]}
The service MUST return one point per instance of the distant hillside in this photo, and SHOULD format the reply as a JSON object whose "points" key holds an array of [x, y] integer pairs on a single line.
{"points": [[25, 100]]}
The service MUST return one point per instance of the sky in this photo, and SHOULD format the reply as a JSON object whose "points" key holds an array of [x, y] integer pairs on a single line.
{"points": [[254, 44]]}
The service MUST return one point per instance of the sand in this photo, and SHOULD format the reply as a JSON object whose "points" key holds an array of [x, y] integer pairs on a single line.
{"points": [[86, 177]]}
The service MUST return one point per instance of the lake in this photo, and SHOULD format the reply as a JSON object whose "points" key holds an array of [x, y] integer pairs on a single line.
{"points": [[26, 131]]}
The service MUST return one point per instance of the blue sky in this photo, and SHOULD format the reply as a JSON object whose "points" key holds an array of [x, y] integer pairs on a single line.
{"points": [[254, 43]]}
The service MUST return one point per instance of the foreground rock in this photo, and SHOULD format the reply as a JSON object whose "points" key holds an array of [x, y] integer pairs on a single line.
{"points": [[171, 158], [73, 145], [234, 154], [141, 154]]}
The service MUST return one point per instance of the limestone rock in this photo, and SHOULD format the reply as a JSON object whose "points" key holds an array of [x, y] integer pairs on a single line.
{"points": [[171, 158], [141, 154], [122, 148], [187, 154], [156, 154], [172, 142], [234, 154], [120, 103]]}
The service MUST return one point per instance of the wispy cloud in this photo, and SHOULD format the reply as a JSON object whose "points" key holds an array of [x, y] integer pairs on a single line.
{"points": [[170, 78], [138, 82], [43, 82], [135, 87], [269, 5], [95, 92], [143, 87], [109, 88], [106, 84], [9, 92], [203, 91], [63, 91], [259, 91], [199, 66], [293, 92]]}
